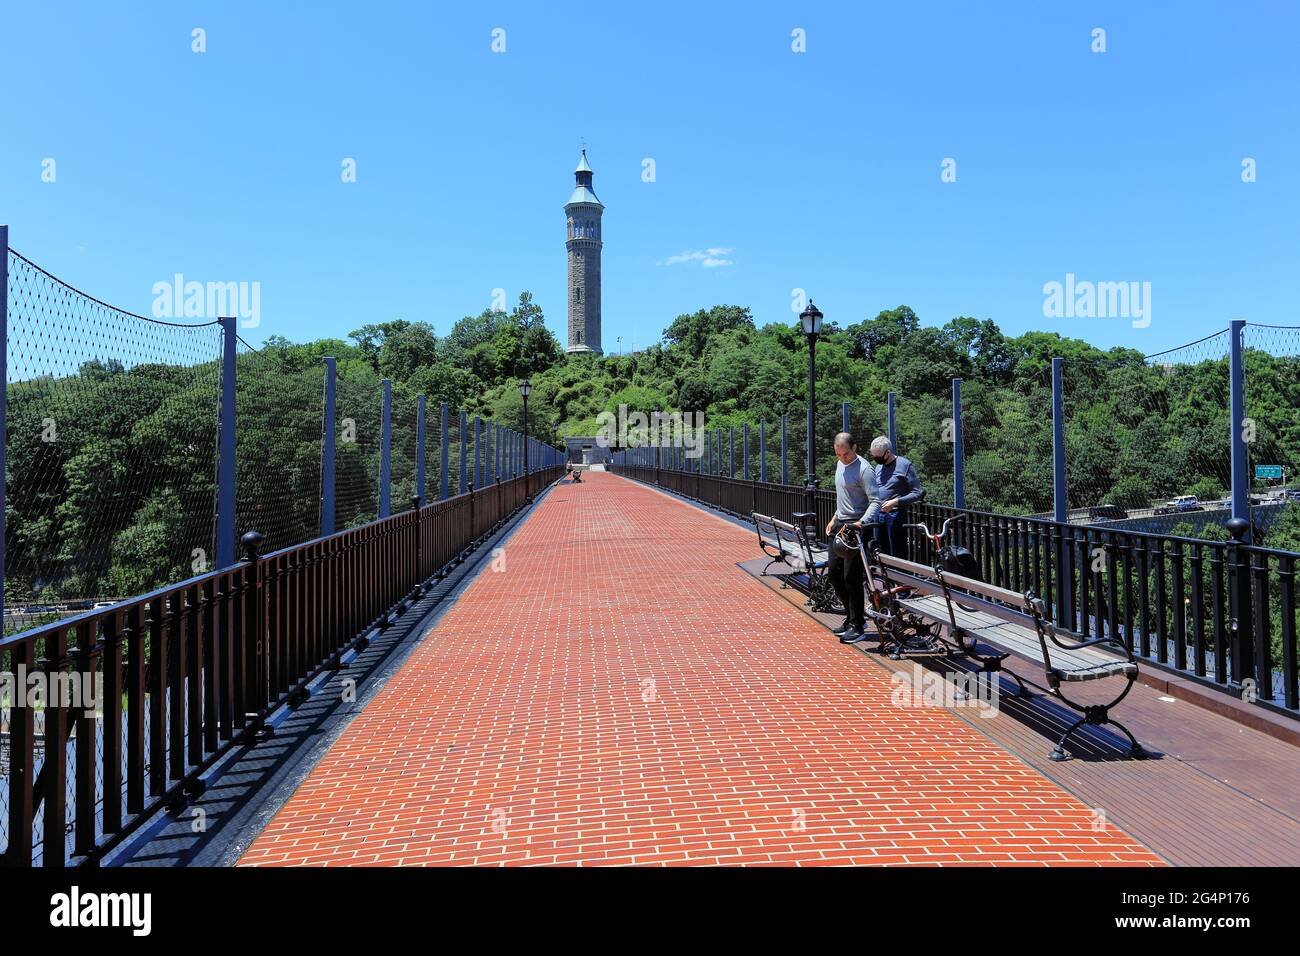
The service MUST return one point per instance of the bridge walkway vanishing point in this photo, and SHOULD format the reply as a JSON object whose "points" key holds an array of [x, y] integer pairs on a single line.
{"points": [[604, 695]]}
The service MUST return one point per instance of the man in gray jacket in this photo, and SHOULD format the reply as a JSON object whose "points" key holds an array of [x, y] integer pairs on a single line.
{"points": [[857, 503], [899, 487]]}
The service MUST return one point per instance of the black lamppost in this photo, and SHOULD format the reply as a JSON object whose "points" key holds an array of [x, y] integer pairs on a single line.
{"points": [[811, 320], [524, 389]]}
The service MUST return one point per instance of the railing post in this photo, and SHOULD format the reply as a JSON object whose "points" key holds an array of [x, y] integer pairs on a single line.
{"points": [[1241, 624], [386, 452], [785, 467], [1237, 407], [418, 589], [762, 450], [253, 673], [731, 451], [498, 457], [226, 448], [444, 454], [419, 446], [958, 453], [744, 452], [844, 419], [328, 447], [889, 414]]}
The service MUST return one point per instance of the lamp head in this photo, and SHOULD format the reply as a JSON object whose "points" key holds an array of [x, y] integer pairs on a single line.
{"points": [[811, 320]]}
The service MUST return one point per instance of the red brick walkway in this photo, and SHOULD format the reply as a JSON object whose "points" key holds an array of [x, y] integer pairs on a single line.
{"points": [[614, 696]]}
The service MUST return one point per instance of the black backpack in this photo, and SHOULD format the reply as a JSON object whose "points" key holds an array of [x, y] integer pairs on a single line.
{"points": [[959, 560]]}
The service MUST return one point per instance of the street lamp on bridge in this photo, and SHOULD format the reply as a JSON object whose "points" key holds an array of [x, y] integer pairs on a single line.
{"points": [[811, 320]]}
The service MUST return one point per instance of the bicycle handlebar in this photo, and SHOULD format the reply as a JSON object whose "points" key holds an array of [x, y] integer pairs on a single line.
{"points": [[943, 532]]}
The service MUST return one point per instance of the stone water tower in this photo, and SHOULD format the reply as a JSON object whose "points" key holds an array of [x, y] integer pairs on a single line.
{"points": [[583, 212]]}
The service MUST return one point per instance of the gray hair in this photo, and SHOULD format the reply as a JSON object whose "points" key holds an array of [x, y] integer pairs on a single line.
{"points": [[881, 443]]}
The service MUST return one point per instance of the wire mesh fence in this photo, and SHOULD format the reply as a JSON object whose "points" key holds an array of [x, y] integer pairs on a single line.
{"points": [[1161, 442], [110, 446], [405, 414], [1271, 357], [358, 437], [277, 448], [925, 433]]}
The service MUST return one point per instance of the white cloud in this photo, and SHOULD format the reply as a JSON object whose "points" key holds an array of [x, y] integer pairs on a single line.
{"points": [[710, 258]]}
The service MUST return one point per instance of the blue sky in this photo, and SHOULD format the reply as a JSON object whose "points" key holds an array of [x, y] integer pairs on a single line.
{"points": [[817, 170]]}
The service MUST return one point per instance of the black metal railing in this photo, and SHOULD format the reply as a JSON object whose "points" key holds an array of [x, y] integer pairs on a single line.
{"points": [[192, 669], [1223, 613]]}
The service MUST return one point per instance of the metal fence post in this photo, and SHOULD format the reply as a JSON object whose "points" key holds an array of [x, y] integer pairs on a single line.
{"points": [[889, 414], [226, 539], [731, 451], [478, 451], [386, 452], [785, 469], [1237, 406], [958, 453], [464, 452], [1060, 501], [1242, 623], [419, 446], [844, 417], [328, 447], [762, 449], [1060, 505], [744, 453], [4, 396], [444, 452]]}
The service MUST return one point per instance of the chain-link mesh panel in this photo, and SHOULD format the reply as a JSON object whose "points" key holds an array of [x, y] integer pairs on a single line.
{"points": [[1007, 446], [278, 412], [360, 416], [111, 446], [1160, 442], [925, 434], [1271, 355], [405, 420]]}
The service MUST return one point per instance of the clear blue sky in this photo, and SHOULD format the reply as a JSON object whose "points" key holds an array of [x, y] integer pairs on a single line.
{"points": [[818, 170]]}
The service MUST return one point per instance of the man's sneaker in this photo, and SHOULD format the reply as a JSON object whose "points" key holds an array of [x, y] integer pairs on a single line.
{"points": [[852, 636], [842, 630]]}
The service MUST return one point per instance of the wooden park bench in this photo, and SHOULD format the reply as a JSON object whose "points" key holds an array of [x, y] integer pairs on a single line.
{"points": [[794, 547], [919, 610]]}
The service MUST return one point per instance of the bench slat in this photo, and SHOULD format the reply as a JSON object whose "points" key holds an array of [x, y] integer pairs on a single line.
{"points": [[1087, 663]]}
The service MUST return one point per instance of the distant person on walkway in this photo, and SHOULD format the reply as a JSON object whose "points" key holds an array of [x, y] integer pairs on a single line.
{"points": [[899, 487], [857, 502]]}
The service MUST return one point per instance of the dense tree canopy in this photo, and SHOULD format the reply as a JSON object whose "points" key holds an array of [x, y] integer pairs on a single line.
{"points": [[124, 498]]}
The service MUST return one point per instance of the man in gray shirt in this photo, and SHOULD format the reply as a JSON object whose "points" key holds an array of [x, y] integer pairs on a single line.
{"points": [[857, 502]]}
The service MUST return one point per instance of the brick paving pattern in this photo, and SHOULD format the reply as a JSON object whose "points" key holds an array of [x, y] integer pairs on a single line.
{"points": [[619, 692]]}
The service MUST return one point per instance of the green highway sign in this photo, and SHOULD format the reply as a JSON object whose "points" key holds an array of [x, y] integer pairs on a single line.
{"points": [[1268, 471]]}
